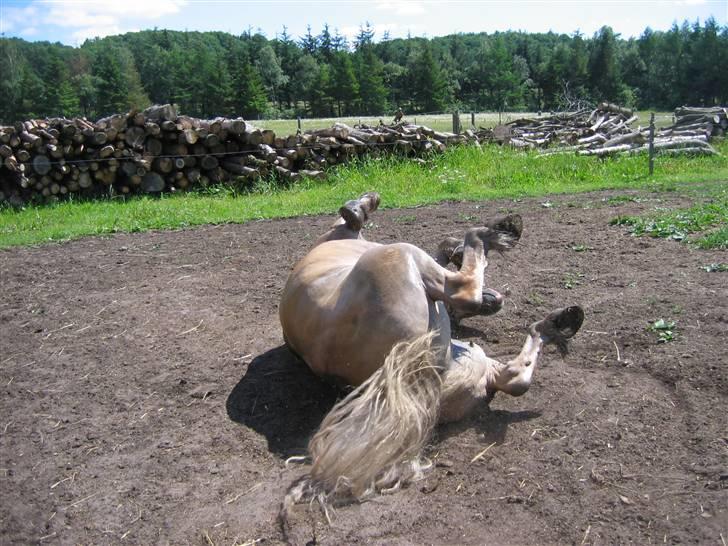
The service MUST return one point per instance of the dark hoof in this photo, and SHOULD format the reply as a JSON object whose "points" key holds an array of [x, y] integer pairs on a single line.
{"points": [[354, 215], [560, 325], [509, 227], [370, 201], [492, 302], [356, 211], [450, 251]]}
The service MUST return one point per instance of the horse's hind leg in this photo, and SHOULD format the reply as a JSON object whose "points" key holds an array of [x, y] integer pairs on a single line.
{"points": [[354, 214]]}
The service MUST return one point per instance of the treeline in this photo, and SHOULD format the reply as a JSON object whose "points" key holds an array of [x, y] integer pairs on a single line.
{"points": [[217, 74]]}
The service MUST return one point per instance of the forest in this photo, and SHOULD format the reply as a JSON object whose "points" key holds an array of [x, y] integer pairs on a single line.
{"points": [[210, 74]]}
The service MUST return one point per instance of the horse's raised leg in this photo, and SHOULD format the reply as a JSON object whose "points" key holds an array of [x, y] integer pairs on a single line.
{"points": [[467, 295], [472, 379], [354, 214], [501, 233], [514, 377]]}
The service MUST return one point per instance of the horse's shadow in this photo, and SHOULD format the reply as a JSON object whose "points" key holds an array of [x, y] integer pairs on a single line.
{"points": [[280, 398], [491, 424]]}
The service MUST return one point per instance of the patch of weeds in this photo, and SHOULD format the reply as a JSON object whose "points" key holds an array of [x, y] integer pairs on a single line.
{"points": [[581, 248], [715, 268], [717, 239], [466, 217], [405, 219], [535, 298], [547, 205], [679, 224], [676, 309], [619, 199], [451, 175], [665, 330], [371, 225], [572, 280]]}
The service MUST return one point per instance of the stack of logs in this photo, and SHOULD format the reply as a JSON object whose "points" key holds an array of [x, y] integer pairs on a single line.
{"points": [[692, 121], [157, 150], [607, 130], [583, 127]]}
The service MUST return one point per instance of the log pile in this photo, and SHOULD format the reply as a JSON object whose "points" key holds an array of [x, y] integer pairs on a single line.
{"points": [[692, 121], [158, 150], [608, 130], [583, 128]]}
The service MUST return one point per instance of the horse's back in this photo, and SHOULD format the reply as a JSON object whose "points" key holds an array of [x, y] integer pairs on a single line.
{"points": [[348, 302]]}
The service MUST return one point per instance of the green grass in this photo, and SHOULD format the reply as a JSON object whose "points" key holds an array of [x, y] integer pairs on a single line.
{"points": [[681, 224], [464, 173]]}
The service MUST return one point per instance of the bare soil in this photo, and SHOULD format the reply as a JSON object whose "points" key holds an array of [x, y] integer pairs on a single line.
{"points": [[146, 397]]}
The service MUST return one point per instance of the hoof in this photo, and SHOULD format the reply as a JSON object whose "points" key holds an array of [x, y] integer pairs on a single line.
{"points": [[509, 229], [451, 251], [354, 215], [356, 211], [492, 302], [560, 325]]}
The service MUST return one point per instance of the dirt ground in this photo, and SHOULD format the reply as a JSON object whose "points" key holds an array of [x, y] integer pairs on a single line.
{"points": [[146, 397]]}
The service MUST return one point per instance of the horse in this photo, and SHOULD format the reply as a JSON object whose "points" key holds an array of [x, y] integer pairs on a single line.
{"points": [[378, 317]]}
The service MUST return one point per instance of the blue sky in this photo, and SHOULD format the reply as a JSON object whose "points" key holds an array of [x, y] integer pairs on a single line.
{"points": [[73, 21]]}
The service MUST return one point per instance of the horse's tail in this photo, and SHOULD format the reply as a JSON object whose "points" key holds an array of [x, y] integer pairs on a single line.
{"points": [[371, 440]]}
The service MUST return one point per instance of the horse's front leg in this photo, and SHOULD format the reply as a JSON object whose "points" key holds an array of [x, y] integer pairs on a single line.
{"points": [[501, 233], [472, 379], [514, 377]]}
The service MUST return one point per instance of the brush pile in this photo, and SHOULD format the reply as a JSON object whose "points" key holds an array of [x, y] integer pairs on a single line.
{"points": [[608, 130]]}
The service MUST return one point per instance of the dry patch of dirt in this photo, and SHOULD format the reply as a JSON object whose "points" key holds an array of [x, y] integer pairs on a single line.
{"points": [[146, 396]]}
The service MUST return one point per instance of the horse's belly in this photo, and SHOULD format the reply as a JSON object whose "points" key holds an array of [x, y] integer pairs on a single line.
{"points": [[343, 319]]}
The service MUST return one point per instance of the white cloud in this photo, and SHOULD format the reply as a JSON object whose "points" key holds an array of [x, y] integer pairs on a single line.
{"points": [[71, 10], [13, 18], [89, 33], [401, 7], [90, 19], [29, 31]]}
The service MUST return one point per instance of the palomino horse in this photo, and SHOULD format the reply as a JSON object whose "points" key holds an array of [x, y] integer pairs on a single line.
{"points": [[376, 317]]}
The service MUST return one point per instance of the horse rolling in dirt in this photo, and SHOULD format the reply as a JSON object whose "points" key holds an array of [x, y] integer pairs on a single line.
{"points": [[376, 317]]}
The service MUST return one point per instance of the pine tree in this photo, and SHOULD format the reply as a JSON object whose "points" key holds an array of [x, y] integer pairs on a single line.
{"points": [[12, 66], [603, 73], [248, 95], [431, 91], [112, 87], [270, 72], [343, 87], [309, 43], [325, 42], [372, 93]]}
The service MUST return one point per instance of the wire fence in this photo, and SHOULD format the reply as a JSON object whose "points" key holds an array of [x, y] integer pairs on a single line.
{"points": [[439, 121]]}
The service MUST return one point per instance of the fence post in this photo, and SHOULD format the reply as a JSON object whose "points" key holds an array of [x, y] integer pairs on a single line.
{"points": [[472, 119], [298, 120], [652, 143], [456, 122]]}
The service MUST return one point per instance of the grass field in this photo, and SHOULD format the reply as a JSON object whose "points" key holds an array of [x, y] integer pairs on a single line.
{"points": [[439, 122], [464, 173]]}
